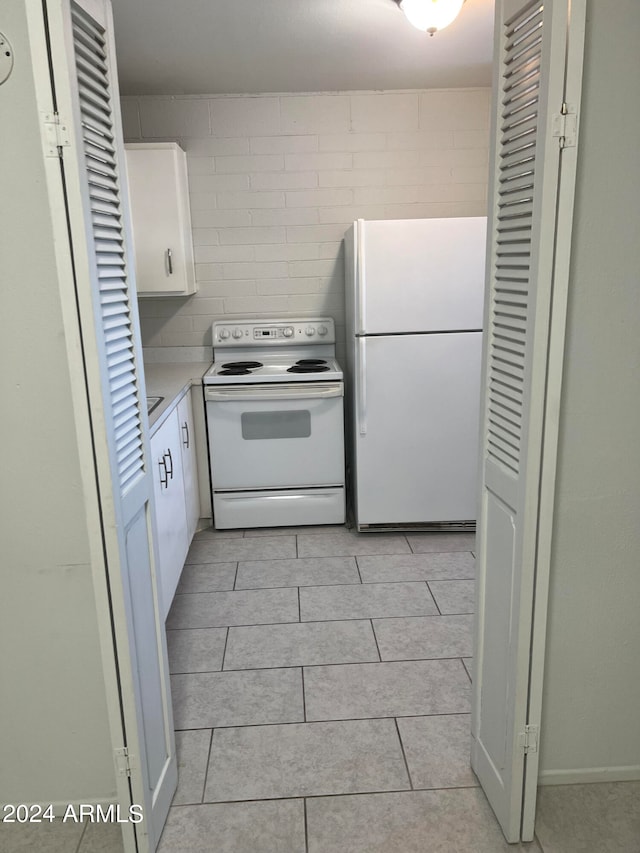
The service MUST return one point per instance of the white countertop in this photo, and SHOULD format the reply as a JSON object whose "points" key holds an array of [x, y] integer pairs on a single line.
{"points": [[171, 381]]}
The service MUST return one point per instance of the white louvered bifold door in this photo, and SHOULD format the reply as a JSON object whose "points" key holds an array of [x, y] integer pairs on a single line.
{"points": [[529, 91], [85, 86], [108, 240]]}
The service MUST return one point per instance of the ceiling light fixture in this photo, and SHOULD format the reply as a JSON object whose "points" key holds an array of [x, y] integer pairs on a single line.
{"points": [[430, 15]]}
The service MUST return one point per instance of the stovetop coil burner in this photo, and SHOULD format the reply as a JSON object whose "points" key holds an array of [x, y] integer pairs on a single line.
{"points": [[241, 365], [235, 371], [308, 368], [315, 361]]}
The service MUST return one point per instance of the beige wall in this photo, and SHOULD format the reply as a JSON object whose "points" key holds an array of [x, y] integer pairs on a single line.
{"points": [[275, 180], [590, 726]]}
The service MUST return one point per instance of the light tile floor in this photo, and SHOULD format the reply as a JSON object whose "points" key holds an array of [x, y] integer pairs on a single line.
{"points": [[321, 686], [317, 670]]}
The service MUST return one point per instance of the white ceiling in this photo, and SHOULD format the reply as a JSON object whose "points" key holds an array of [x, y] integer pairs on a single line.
{"points": [[239, 46]]}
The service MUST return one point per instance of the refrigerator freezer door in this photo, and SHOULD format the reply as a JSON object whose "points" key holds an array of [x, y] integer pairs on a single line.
{"points": [[416, 429], [417, 275]]}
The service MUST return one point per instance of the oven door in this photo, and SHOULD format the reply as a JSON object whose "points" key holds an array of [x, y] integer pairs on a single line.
{"points": [[283, 435]]}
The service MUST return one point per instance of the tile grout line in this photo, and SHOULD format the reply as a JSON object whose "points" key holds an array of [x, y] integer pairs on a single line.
{"points": [[466, 670], [299, 607], [206, 771], [318, 621], [330, 794], [81, 839], [235, 578], [376, 640], [224, 651], [304, 698], [306, 826], [309, 665], [322, 585], [358, 568], [410, 553], [412, 716], [318, 556], [337, 663], [435, 601], [404, 755]]}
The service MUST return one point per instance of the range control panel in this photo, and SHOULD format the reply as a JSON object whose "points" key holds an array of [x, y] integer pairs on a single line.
{"points": [[273, 332]]}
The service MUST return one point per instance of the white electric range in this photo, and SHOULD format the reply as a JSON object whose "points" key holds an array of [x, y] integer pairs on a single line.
{"points": [[274, 406]]}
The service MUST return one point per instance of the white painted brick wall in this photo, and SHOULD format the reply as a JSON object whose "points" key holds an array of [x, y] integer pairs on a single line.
{"points": [[275, 180]]}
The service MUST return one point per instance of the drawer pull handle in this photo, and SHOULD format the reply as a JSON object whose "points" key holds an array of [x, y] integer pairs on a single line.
{"points": [[164, 481], [170, 261], [185, 440], [170, 466]]}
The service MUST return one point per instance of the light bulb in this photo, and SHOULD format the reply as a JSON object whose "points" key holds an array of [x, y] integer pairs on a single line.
{"points": [[431, 15]]}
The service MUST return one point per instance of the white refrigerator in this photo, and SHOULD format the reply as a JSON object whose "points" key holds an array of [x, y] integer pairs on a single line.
{"points": [[414, 304]]}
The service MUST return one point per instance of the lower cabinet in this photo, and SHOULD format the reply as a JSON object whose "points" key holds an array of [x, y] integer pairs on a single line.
{"points": [[177, 505], [171, 517], [189, 464]]}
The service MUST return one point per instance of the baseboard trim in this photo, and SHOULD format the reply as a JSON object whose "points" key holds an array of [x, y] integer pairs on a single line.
{"points": [[587, 775]]}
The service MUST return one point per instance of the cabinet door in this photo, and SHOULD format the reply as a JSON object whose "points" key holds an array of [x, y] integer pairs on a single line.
{"points": [[189, 465], [160, 218], [170, 513]]}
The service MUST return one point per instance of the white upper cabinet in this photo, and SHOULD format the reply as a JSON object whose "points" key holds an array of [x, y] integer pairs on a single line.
{"points": [[159, 198]]}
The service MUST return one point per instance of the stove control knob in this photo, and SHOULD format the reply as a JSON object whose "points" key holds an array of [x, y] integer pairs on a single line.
{"points": [[237, 333], [288, 332], [310, 331], [322, 330], [223, 334]]}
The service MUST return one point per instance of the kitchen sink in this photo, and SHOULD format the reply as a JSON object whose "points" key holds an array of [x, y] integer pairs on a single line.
{"points": [[152, 402]]}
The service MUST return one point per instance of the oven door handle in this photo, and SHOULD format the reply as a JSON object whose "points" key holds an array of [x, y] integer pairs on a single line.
{"points": [[274, 392]]}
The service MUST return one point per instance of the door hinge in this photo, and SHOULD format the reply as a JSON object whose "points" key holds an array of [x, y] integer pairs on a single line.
{"points": [[56, 134], [565, 126], [123, 764], [528, 740]]}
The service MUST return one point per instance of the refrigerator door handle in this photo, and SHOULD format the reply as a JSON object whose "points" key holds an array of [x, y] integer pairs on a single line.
{"points": [[362, 386], [360, 276]]}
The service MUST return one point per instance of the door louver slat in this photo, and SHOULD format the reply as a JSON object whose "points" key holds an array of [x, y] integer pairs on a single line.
{"points": [[86, 57], [100, 178], [105, 210], [120, 395], [126, 432], [100, 158], [92, 87], [108, 245], [519, 156], [510, 276], [518, 125], [97, 140], [99, 155], [95, 122]]}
